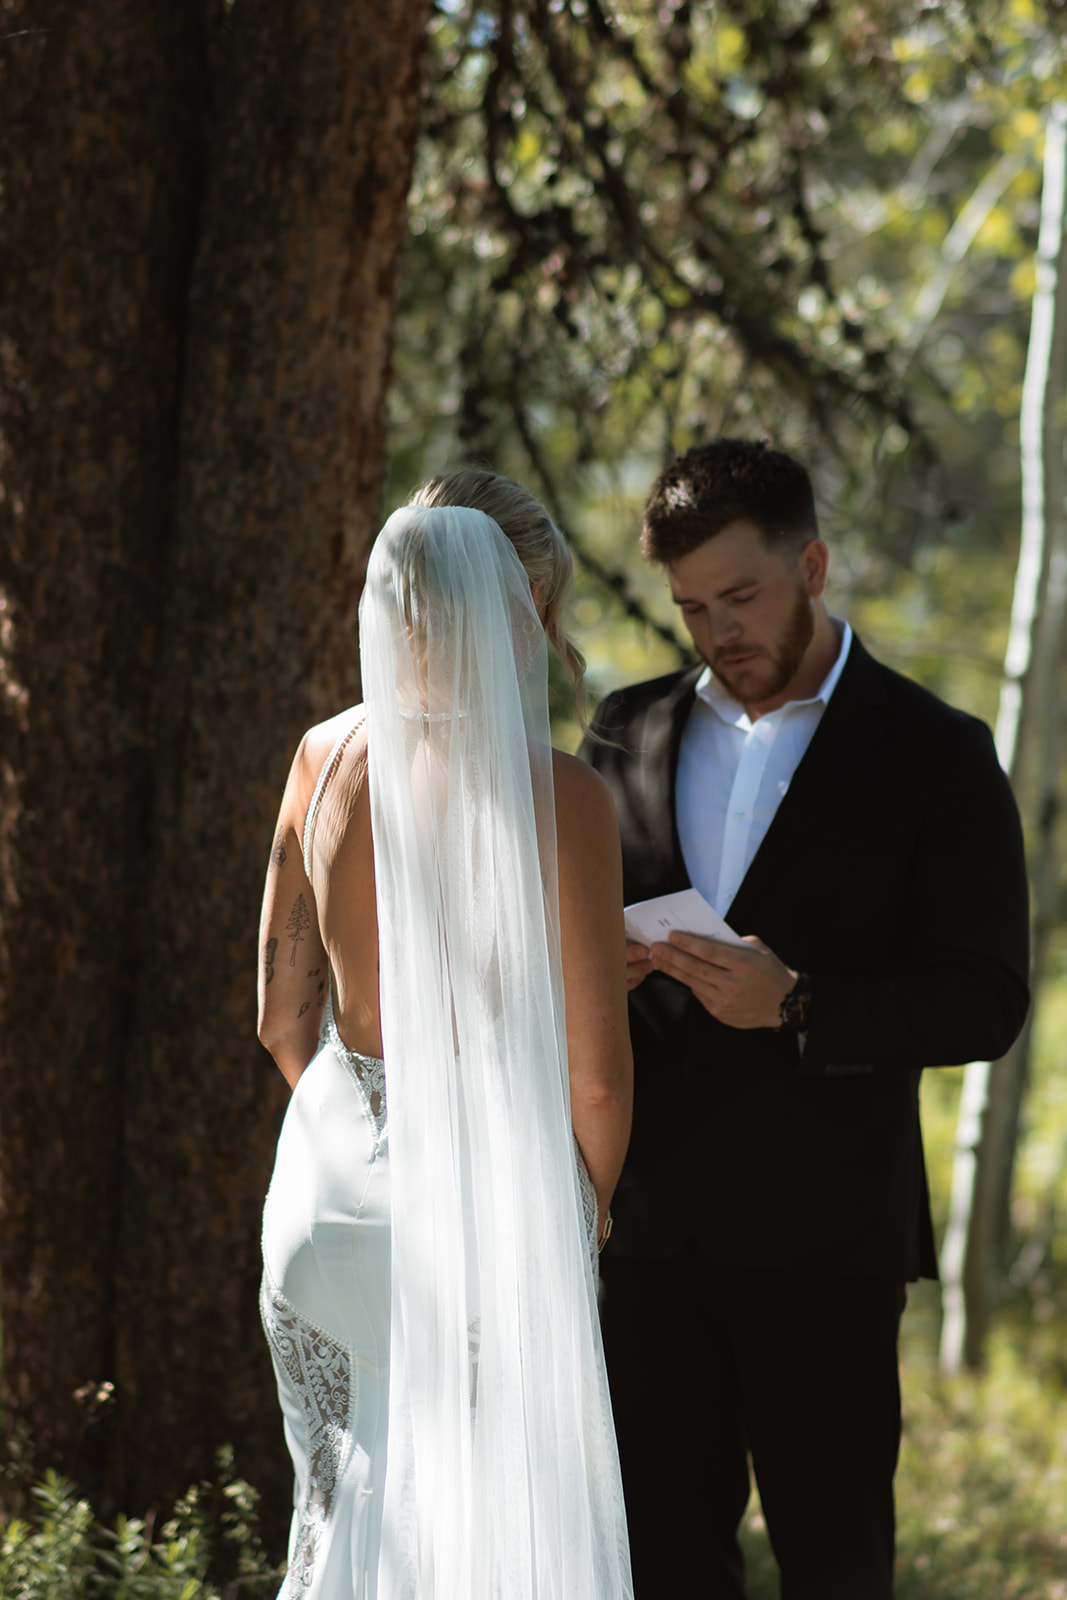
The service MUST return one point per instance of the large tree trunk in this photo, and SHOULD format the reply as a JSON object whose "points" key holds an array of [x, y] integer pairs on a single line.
{"points": [[282, 447], [265, 506], [99, 177]]}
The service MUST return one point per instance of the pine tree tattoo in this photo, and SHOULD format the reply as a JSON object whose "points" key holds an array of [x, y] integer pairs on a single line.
{"points": [[298, 924]]}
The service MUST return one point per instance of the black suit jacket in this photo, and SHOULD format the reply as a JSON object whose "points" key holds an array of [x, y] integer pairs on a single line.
{"points": [[893, 873]]}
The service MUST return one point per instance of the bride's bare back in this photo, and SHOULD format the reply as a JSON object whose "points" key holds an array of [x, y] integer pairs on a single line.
{"points": [[342, 881], [312, 928], [327, 925]]}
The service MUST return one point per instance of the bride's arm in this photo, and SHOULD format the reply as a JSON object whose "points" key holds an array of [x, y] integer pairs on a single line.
{"points": [[594, 968], [293, 969]]}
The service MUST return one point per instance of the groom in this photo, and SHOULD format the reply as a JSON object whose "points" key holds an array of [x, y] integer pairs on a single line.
{"points": [[862, 836]]}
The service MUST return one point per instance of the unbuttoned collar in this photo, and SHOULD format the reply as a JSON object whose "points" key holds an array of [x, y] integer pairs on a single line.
{"points": [[732, 712]]}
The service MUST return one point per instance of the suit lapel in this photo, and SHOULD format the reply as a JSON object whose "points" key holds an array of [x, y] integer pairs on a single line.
{"points": [[661, 739], [851, 722]]}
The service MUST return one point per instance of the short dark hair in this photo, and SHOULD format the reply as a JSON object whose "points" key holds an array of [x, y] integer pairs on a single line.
{"points": [[728, 480]]}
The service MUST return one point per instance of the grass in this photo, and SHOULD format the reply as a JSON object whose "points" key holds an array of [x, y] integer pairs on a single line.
{"points": [[983, 1485]]}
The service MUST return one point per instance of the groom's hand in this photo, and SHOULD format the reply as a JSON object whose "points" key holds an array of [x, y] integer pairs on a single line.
{"points": [[743, 986], [638, 966]]}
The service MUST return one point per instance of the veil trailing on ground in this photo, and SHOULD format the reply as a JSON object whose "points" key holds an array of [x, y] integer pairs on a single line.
{"points": [[502, 1480]]}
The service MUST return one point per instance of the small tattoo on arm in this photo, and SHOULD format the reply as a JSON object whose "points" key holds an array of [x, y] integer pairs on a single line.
{"points": [[298, 925], [305, 1007], [277, 854], [269, 950]]}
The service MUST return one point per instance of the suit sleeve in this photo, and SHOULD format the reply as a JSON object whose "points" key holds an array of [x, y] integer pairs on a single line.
{"points": [[958, 989]]}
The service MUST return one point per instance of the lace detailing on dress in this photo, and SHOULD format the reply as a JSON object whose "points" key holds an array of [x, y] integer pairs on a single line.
{"points": [[367, 1072], [589, 1209], [322, 1373]]}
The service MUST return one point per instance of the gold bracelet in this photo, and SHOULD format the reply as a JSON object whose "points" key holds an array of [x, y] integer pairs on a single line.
{"points": [[605, 1235]]}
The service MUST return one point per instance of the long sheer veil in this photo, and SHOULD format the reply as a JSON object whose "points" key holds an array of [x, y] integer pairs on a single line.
{"points": [[502, 1480]]}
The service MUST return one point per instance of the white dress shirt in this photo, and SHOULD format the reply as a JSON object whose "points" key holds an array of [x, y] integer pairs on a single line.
{"points": [[732, 774]]}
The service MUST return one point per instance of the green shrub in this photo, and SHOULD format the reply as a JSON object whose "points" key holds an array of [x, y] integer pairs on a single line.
{"points": [[63, 1553]]}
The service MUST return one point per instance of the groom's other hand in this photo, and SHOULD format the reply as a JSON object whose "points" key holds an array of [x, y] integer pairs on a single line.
{"points": [[638, 965], [743, 986]]}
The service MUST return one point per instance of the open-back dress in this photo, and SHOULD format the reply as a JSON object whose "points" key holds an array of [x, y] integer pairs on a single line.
{"points": [[325, 1298]]}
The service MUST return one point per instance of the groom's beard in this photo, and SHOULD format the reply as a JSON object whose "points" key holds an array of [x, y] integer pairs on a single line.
{"points": [[754, 684]]}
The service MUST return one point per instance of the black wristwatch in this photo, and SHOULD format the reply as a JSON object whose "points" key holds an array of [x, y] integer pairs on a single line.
{"points": [[793, 1011]]}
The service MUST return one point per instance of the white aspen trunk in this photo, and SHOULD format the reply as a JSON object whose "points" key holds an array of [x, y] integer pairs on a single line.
{"points": [[1028, 719], [957, 242]]}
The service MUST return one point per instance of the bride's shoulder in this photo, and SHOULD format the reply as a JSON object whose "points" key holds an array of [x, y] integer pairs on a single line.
{"points": [[319, 742]]}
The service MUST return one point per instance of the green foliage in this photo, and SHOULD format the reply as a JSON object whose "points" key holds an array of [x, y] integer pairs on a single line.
{"points": [[634, 224], [1033, 1313], [52, 1559], [984, 1504], [63, 1553]]}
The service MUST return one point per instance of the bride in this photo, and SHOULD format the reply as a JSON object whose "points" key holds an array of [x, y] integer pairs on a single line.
{"points": [[442, 985]]}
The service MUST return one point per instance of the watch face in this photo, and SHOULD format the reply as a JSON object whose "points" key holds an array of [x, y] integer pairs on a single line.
{"points": [[794, 1008]]}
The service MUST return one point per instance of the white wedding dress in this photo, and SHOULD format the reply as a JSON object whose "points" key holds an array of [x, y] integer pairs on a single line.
{"points": [[522, 1498], [325, 1304], [325, 1299]]}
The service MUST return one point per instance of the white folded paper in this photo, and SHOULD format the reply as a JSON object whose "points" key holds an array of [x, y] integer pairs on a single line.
{"points": [[650, 921]]}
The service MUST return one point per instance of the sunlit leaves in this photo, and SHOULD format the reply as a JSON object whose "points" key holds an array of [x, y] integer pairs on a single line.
{"points": [[637, 222]]}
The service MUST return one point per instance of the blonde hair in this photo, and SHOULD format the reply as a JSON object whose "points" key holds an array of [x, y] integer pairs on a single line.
{"points": [[538, 544]]}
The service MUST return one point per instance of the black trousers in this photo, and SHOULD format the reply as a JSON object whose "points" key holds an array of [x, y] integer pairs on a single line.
{"points": [[709, 1363]]}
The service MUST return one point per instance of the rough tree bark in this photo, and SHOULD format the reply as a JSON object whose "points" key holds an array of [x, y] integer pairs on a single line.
{"points": [[281, 454], [99, 155], [227, 622]]}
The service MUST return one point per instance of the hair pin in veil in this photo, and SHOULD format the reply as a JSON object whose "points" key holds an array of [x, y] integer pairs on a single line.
{"points": [[412, 714]]}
